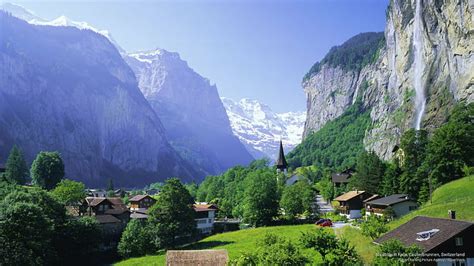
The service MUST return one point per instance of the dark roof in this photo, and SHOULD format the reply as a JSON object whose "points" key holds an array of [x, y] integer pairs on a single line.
{"points": [[140, 197], [390, 200], [407, 233], [117, 202], [138, 215], [117, 211], [94, 201], [197, 257], [294, 178], [340, 178], [281, 161], [106, 219]]}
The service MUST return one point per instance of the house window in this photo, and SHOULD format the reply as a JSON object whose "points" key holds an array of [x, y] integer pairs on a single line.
{"points": [[458, 241]]}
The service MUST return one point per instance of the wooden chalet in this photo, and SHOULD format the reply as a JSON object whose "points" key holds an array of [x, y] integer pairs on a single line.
{"points": [[449, 240], [205, 217], [401, 204], [351, 203], [141, 202]]}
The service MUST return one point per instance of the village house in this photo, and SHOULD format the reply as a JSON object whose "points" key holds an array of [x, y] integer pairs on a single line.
{"points": [[112, 215], [205, 216], [342, 178], [351, 203], [400, 204], [449, 240], [141, 202]]}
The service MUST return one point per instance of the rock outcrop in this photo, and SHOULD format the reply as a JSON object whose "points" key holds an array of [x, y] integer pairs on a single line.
{"points": [[66, 89], [192, 113], [386, 84]]}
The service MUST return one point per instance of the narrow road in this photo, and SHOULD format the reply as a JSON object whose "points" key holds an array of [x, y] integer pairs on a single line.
{"points": [[324, 207]]}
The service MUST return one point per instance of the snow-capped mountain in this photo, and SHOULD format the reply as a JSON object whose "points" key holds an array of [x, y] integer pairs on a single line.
{"points": [[61, 21], [190, 108], [260, 129]]}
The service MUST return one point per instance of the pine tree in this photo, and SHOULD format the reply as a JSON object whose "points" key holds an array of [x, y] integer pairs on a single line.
{"points": [[16, 169]]}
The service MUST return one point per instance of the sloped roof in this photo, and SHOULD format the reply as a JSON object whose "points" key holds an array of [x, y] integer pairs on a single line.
{"points": [[407, 233], [197, 257], [138, 215], [390, 200], [340, 178], [204, 207], [349, 195], [140, 197], [294, 178], [94, 201], [281, 161], [106, 219], [373, 197]]}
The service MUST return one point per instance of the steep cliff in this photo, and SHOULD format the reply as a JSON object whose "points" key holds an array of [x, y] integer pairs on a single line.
{"points": [[192, 113], [69, 90], [425, 57]]}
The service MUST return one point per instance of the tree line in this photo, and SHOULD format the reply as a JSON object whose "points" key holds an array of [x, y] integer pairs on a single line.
{"points": [[422, 163]]}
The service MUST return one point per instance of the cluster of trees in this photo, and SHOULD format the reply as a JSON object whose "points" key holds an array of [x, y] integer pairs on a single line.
{"points": [[319, 246], [170, 223], [423, 162], [46, 171], [354, 54], [337, 144], [35, 230], [257, 194]]}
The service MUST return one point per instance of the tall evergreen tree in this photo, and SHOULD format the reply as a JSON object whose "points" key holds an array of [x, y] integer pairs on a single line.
{"points": [[16, 169], [370, 170]]}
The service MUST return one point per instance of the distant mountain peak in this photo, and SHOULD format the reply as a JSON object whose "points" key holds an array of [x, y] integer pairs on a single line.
{"points": [[61, 21], [261, 129]]}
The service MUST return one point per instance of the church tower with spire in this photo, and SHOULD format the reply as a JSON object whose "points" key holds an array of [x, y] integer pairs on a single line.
{"points": [[281, 163]]}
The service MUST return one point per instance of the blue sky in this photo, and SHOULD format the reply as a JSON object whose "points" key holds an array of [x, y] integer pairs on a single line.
{"points": [[252, 49]]}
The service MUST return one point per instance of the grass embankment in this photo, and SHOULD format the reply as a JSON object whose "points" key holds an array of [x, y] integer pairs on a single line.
{"points": [[457, 195], [236, 243]]}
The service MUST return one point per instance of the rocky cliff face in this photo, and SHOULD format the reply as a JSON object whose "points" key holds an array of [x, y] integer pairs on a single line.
{"points": [[386, 85], [190, 109], [69, 90]]}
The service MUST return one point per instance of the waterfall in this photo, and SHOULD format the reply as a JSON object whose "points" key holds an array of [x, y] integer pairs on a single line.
{"points": [[419, 64]]}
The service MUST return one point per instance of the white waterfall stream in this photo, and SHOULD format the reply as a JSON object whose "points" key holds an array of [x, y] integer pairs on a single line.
{"points": [[419, 65]]}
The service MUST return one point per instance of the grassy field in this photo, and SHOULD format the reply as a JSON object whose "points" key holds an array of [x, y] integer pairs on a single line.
{"points": [[457, 195], [236, 243], [364, 245]]}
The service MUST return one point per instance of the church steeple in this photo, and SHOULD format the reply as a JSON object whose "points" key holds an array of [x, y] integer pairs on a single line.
{"points": [[281, 163]]}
